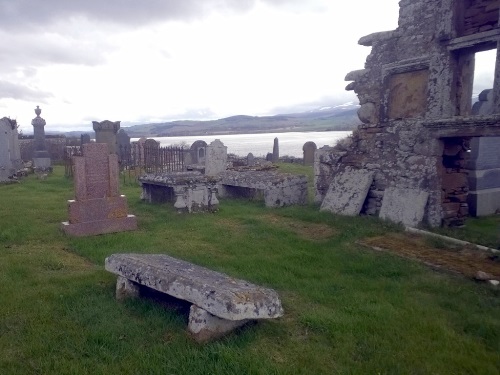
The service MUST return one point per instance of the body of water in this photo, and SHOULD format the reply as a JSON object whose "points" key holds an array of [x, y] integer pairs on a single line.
{"points": [[260, 144]]}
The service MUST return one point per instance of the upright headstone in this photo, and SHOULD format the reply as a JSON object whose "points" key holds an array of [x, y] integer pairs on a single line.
{"points": [[484, 176], [123, 143], [105, 132], [41, 157], [98, 207], [198, 151], [250, 160], [484, 105], [309, 149], [151, 154], [84, 139], [10, 154], [216, 158], [276, 150]]}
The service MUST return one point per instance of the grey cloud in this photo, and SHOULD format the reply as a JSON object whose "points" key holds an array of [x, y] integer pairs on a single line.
{"points": [[35, 14], [25, 53], [20, 92], [327, 101]]}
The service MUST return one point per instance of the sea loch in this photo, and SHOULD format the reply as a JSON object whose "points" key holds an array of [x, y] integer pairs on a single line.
{"points": [[260, 144]]}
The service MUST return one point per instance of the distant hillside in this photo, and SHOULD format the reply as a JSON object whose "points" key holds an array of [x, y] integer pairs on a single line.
{"points": [[325, 119]]}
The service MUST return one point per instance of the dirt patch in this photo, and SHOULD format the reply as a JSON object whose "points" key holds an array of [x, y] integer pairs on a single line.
{"points": [[465, 260], [309, 231]]}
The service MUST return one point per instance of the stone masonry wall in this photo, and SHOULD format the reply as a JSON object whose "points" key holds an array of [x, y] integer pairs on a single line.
{"points": [[410, 78]]}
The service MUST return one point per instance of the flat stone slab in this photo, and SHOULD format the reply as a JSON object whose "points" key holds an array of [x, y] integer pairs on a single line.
{"points": [[347, 192], [405, 206], [220, 295]]}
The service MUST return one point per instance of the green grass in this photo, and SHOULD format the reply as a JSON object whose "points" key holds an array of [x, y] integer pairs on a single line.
{"points": [[347, 310]]}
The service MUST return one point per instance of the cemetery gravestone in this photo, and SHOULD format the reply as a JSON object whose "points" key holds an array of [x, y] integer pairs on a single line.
{"points": [[98, 207], [309, 149], [347, 192], [10, 154], [405, 206], [250, 160], [84, 138], [276, 150], [216, 158], [105, 132], [484, 176], [41, 157], [123, 143], [198, 151]]}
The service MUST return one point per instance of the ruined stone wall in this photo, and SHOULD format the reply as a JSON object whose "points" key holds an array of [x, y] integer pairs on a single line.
{"points": [[479, 16], [409, 79]]}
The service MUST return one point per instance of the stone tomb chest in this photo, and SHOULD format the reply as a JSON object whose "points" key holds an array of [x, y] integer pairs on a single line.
{"points": [[189, 191], [220, 303], [277, 189]]}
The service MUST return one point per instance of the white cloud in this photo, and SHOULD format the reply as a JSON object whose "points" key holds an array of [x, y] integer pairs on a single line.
{"points": [[124, 60]]}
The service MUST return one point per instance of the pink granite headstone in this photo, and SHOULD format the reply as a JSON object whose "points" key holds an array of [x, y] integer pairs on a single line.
{"points": [[98, 207]]}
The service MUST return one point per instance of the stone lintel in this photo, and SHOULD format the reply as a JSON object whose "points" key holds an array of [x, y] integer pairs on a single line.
{"points": [[485, 40], [472, 126]]}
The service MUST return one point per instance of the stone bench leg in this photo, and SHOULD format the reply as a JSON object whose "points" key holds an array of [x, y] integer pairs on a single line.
{"points": [[126, 289], [204, 326]]}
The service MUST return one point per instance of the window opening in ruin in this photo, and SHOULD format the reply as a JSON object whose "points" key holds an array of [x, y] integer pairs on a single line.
{"points": [[484, 72]]}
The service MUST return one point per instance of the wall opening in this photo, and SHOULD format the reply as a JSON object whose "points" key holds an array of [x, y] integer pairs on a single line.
{"points": [[484, 74]]}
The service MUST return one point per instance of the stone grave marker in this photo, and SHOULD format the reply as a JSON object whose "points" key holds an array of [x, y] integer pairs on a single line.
{"points": [[250, 160], [98, 207], [41, 157], [105, 132], [216, 158], [84, 138], [276, 150], [10, 153], [405, 206], [309, 149], [123, 144], [198, 151], [347, 192], [484, 176]]}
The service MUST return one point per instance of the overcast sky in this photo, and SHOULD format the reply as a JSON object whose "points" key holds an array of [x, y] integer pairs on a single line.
{"points": [[160, 60]]}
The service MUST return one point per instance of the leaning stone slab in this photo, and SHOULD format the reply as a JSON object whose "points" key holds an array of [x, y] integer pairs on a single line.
{"points": [[347, 192], [220, 302], [405, 206]]}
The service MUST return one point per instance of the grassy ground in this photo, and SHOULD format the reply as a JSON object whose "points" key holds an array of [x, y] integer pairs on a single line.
{"points": [[348, 310]]}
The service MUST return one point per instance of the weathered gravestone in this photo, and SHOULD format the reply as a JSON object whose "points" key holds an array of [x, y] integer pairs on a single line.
{"points": [[484, 176], [216, 158], [123, 144], [84, 138], [405, 206], [98, 207], [41, 157], [276, 150], [220, 303], [309, 149], [198, 152], [105, 132], [10, 154], [347, 192], [250, 160]]}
